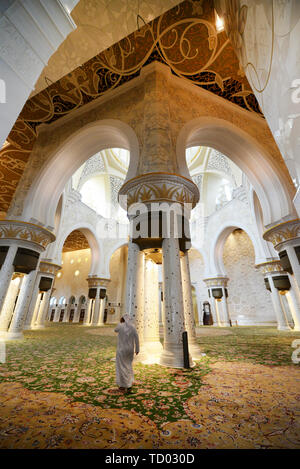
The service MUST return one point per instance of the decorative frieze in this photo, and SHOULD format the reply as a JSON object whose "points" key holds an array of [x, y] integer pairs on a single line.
{"points": [[283, 232], [94, 282], [270, 267], [216, 282], [159, 187], [24, 231], [49, 268]]}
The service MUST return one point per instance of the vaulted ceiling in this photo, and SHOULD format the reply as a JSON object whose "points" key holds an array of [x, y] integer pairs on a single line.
{"points": [[75, 241], [100, 24], [184, 38]]}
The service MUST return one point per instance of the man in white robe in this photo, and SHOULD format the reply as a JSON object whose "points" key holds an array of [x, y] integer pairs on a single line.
{"points": [[128, 343]]}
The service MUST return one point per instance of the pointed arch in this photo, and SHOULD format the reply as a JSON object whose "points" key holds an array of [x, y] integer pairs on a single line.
{"points": [[272, 187], [47, 187]]}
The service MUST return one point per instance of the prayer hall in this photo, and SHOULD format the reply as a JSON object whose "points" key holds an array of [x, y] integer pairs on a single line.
{"points": [[150, 170]]}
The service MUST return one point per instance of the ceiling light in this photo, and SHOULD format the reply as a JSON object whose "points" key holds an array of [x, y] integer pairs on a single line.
{"points": [[219, 23]]}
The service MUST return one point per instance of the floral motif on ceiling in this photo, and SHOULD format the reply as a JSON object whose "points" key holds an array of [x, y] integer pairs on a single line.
{"points": [[184, 38]]}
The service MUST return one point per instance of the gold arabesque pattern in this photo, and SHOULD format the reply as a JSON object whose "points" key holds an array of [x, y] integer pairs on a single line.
{"points": [[75, 242], [283, 232], [26, 232], [184, 38]]}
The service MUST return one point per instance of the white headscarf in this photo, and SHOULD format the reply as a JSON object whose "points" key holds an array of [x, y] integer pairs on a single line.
{"points": [[127, 324]]}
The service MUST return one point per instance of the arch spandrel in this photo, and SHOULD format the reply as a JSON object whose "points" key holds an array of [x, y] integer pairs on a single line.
{"points": [[93, 241], [49, 178], [216, 265], [245, 138], [273, 187]]}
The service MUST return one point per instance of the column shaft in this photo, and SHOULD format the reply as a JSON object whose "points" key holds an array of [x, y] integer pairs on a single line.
{"points": [[36, 310], [6, 273], [31, 314], [40, 321], [152, 344], [294, 307], [9, 303], [88, 313], [225, 315], [77, 313], [135, 288], [102, 308], [189, 318], [96, 311], [295, 266], [16, 326], [281, 321], [173, 305], [213, 309], [57, 313]]}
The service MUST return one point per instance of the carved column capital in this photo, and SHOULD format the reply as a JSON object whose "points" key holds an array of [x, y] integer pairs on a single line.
{"points": [[159, 187], [30, 234], [94, 282], [49, 268], [282, 233], [216, 282], [271, 267]]}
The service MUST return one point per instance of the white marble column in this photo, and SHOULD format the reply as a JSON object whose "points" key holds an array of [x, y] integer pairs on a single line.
{"points": [[42, 313], [218, 310], [57, 313], [16, 326], [88, 313], [285, 308], [77, 312], [160, 304], [199, 307], [67, 312], [214, 313], [189, 318], [152, 345], [6, 272], [225, 312], [103, 286], [294, 305], [102, 308], [219, 305], [281, 320], [36, 310], [295, 265], [173, 305], [9, 303], [135, 292], [32, 311], [96, 309]]}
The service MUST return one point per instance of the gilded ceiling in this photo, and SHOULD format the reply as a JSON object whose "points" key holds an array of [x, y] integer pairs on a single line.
{"points": [[75, 241], [100, 23], [184, 38]]}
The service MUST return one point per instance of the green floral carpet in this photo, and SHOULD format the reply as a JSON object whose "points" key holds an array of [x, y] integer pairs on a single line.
{"points": [[57, 390], [260, 345], [71, 360]]}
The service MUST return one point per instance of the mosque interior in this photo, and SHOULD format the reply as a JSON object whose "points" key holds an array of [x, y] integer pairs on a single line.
{"points": [[149, 165]]}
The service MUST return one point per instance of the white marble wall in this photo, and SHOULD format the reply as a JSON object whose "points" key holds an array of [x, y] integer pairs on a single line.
{"points": [[30, 32], [248, 300], [266, 38]]}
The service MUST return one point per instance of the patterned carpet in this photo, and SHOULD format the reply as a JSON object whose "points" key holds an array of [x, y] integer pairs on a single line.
{"points": [[57, 390]]}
